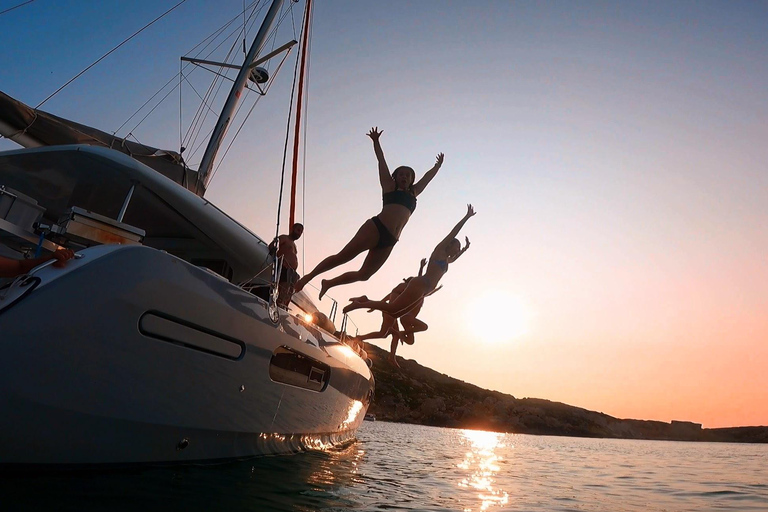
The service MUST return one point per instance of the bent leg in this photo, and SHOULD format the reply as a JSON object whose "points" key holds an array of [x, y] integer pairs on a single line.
{"points": [[366, 238], [387, 325], [373, 262], [393, 350]]}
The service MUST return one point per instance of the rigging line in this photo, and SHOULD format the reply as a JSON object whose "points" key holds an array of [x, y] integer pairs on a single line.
{"points": [[253, 19], [306, 122], [145, 103], [148, 148], [185, 65], [245, 52], [225, 77], [242, 124], [16, 7], [181, 77], [153, 108], [218, 31], [237, 111], [108, 53], [194, 130], [202, 115], [285, 147], [299, 107], [233, 138]]}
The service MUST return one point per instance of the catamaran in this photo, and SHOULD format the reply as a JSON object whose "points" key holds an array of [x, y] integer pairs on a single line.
{"points": [[156, 344]]}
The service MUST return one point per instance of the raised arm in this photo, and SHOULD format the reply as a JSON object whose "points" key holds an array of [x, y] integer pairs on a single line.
{"points": [[462, 251], [422, 265], [385, 178], [457, 227], [420, 185]]}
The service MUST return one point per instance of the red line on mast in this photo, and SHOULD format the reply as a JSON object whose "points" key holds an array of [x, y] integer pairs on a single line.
{"points": [[295, 172]]}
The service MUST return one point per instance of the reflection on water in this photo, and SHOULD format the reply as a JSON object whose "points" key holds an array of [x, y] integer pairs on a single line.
{"points": [[481, 463], [409, 467]]}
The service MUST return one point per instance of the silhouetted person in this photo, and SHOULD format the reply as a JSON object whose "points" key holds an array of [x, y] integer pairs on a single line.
{"points": [[284, 246], [446, 252], [379, 234]]}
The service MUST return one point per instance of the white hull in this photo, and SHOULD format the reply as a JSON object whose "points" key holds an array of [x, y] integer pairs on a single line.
{"points": [[130, 355]]}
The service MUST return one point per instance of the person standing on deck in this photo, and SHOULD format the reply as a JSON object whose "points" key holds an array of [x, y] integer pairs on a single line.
{"points": [[379, 234], [284, 246]]}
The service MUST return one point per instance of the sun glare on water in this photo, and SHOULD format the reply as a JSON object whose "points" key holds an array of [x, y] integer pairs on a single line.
{"points": [[498, 316]]}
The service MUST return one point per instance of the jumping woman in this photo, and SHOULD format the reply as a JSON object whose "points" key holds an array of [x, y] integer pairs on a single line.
{"points": [[446, 252], [411, 324], [379, 234]]}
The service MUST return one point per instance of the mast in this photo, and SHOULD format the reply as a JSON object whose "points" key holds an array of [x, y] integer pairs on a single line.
{"points": [[204, 172], [294, 175]]}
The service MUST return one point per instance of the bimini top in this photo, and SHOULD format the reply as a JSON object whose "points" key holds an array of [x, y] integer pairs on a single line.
{"points": [[33, 128]]}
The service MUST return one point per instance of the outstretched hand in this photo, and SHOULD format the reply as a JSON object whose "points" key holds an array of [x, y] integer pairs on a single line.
{"points": [[374, 134], [439, 162], [470, 211]]}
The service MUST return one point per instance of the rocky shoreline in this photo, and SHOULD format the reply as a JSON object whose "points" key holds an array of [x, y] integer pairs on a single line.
{"points": [[417, 394]]}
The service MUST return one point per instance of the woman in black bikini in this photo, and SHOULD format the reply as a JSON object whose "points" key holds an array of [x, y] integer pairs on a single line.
{"points": [[379, 234], [446, 252]]}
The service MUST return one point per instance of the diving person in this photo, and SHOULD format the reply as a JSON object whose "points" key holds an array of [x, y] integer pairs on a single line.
{"points": [[379, 234]]}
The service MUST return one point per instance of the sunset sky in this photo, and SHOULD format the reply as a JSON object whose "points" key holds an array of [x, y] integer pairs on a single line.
{"points": [[616, 153]]}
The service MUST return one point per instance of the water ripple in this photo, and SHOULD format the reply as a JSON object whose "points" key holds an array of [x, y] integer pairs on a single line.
{"points": [[406, 467]]}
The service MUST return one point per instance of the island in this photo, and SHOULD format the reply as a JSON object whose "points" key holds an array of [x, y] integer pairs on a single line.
{"points": [[419, 395]]}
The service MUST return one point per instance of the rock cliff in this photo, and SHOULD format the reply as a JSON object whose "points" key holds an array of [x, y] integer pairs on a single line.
{"points": [[417, 394]]}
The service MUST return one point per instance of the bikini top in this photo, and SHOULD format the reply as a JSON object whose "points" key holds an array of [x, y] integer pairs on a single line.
{"points": [[443, 264], [401, 197]]}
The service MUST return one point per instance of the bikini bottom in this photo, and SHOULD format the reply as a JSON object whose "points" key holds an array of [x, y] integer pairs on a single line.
{"points": [[386, 239]]}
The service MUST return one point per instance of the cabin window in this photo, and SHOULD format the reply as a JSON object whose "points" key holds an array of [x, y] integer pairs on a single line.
{"points": [[291, 367]]}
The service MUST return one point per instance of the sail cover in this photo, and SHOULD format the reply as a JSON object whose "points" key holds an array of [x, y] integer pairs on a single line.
{"points": [[32, 128]]}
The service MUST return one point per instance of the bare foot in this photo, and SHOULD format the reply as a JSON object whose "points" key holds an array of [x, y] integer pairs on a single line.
{"points": [[355, 303], [350, 307], [299, 285], [393, 359], [323, 289]]}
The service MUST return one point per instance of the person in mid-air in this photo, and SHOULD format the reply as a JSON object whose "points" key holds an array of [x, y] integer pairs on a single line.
{"points": [[445, 253], [379, 234], [410, 323]]}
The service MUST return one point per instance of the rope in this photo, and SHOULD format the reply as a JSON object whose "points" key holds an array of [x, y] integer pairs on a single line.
{"points": [[108, 53], [304, 156], [16, 7], [285, 147], [212, 38], [242, 124], [300, 101]]}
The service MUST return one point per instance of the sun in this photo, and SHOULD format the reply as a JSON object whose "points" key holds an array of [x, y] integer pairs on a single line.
{"points": [[498, 316]]}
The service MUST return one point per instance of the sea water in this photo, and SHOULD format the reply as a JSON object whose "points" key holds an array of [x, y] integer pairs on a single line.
{"points": [[407, 467]]}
